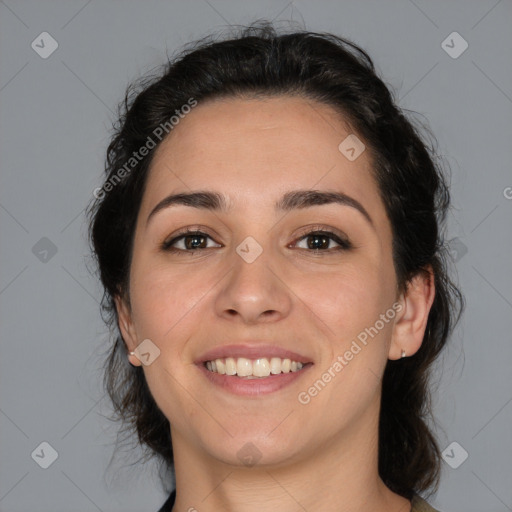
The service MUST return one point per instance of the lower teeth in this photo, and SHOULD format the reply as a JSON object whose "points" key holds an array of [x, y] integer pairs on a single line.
{"points": [[263, 377]]}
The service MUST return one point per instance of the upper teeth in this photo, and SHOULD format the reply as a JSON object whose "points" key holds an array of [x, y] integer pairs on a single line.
{"points": [[261, 367]]}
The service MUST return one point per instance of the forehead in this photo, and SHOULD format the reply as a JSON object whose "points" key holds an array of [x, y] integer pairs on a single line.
{"points": [[257, 149]]}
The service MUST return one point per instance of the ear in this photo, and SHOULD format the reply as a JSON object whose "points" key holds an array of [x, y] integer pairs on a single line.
{"points": [[127, 328], [411, 321]]}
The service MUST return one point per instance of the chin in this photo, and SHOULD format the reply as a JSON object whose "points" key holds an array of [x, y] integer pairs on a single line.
{"points": [[260, 449]]}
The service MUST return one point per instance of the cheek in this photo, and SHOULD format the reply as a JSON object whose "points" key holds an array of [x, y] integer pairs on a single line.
{"points": [[350, 303], [162, 297], [350, 299]]}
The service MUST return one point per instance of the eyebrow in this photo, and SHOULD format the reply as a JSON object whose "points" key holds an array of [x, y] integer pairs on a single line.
{"points": [[295, 199]]}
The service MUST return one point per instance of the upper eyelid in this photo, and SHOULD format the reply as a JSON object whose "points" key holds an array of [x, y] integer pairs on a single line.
{"points": [[308, 230], [303, 231]]}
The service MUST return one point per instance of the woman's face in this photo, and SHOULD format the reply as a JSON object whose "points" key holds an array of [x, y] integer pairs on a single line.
{"points": [[256, 285]]}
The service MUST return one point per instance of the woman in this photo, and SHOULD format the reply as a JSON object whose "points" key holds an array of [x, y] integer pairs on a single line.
{"points": [[269, 240]]}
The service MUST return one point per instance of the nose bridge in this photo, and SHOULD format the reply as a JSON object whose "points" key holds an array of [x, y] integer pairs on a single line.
{"points": [[252, 290]]}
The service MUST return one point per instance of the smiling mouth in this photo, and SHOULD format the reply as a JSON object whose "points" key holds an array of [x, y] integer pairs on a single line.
{"points": [[258, 368]]}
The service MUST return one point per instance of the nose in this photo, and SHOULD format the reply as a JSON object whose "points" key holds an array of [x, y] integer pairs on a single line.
{"points": [[253, 292]]}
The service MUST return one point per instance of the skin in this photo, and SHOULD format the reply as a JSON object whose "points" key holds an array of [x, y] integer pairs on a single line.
{"points": [[321, 455]]}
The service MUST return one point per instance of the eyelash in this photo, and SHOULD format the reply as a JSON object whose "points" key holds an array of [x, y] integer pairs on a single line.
{"points": [[344, 244]]}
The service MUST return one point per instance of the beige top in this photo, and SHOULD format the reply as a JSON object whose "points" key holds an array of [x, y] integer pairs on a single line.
{"points": [[420, 505]]}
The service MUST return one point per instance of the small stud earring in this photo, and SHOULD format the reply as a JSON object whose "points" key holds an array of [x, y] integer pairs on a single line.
{"points": [[132, 355], [403, 353]]}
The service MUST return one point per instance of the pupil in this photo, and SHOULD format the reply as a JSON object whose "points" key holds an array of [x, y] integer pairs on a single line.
{"points": [[190, 244], [322, 243]]}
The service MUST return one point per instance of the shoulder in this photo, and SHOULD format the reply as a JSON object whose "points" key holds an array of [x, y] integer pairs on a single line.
{"points": [[167, 506], [420, 505]]}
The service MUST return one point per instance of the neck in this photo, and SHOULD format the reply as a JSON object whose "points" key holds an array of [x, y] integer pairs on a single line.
{"points": [[339, 476]]}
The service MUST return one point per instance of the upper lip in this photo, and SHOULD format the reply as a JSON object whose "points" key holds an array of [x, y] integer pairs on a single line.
{"points": [[251, 351]]}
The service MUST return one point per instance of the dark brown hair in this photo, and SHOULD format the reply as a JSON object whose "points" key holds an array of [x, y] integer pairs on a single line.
{"points": [[259, 62]]}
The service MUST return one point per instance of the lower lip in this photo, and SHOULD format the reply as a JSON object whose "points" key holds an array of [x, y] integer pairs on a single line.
{"points": [[253, 387]]}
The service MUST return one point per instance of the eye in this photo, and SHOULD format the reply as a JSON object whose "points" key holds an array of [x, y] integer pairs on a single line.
{"points": [[188, 241], [320, 241], [316, 241]]}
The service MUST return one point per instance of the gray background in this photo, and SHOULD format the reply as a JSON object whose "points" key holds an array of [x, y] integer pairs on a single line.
{"points": [[54, 126]]}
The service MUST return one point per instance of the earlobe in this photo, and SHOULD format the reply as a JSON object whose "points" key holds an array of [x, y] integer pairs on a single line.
{"points": [[410, 325], [127, 329]]}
